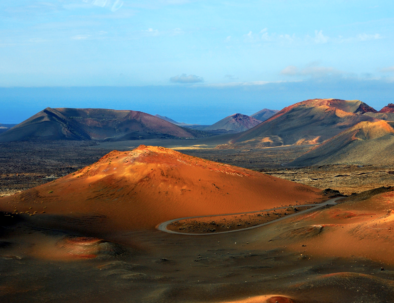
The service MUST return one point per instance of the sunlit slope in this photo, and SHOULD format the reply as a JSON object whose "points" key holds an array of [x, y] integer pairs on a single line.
{"points": [[364, 143], [307, 122], [361, 226], [149, 185]]}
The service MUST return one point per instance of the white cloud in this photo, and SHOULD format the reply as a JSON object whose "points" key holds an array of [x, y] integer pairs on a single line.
{"points": [[388, 69], [312, 70], [239, 84], [113, 5], [264, 35], [359, 38], [150, 32], [80, 37], [366, 37], [186, 79], [320, 38]]}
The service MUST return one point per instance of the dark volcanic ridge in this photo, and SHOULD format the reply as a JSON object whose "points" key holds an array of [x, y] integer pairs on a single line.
{"points": [[94, 124]]}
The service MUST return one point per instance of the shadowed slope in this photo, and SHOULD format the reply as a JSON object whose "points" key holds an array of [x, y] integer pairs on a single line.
{"points": [[149, 185], [307, 122], [264, 114], [93, 124], [236, 123], [364, 143], [5, 127]]}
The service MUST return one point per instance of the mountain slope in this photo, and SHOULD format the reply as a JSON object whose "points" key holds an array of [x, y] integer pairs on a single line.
{"points": [[364, 143], [388, 109], [168, 119], [235, 123], [141, 188], [264, 114], [93, 124], [307, 122]]}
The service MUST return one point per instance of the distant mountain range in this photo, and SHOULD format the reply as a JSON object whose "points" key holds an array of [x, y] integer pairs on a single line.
{"points": [[340, 131], [94, 124], [232, 124], [5, 127], [307, 122]]}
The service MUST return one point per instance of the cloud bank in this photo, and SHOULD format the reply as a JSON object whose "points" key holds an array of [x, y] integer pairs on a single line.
{"points": [[186, 79]]}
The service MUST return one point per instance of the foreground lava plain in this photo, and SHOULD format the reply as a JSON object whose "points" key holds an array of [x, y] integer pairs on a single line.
{"points": [[337, 254]]}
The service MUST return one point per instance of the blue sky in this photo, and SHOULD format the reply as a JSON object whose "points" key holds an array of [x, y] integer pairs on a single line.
{"points": [[215, 56]]}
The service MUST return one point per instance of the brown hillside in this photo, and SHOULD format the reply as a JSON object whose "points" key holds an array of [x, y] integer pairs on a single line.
{"points": [[364, 143], [149, 185], [93, 124], [307, 122]]}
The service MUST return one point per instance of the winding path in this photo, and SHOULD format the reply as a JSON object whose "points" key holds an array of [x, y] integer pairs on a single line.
{"points": [[163, 226]]}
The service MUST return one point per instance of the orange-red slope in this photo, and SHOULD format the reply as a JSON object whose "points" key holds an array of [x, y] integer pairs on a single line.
{"points": [[308, 122], [149, 185], [363, 226]]}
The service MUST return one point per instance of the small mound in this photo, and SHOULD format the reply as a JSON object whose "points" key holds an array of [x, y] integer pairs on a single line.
{"points": [[81, 247]]}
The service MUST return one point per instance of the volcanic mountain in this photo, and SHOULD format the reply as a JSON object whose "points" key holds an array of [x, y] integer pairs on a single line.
{"points": [[264, 114], [388, 109], [141, 188], [93, 124], [235, 123], [307, 122], [364, 143]]}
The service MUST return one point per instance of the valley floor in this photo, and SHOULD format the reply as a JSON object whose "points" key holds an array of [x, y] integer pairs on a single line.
{"points": [[337, 254], [25, 165]]}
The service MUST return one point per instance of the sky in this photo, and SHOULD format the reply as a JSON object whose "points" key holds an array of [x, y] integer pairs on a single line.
{"points": [[195, 61]]}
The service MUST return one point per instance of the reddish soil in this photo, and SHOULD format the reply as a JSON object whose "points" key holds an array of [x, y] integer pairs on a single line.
{"points": [[230, 222], [388, 109], [149, 185]]}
